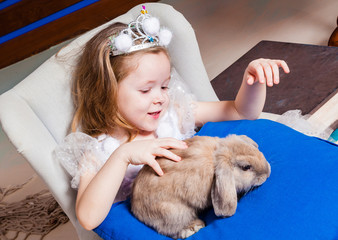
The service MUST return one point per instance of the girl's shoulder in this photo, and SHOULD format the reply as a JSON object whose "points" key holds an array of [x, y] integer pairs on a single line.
{"points": [[80, 153], [107, 144], [79, 141]]}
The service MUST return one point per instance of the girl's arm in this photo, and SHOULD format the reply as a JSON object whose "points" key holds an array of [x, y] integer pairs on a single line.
{"points": [[97, 192], [250, 98]]}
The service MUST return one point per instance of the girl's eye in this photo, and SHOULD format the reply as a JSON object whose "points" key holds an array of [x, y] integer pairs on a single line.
{"points": [[165, 88], [145, 90]]}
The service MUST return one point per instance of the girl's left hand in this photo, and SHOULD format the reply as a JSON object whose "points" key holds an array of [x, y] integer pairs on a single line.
{"points": [[265, 71]]}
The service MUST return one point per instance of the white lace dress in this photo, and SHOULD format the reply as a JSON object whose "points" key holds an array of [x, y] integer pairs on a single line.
{"points": [[80, 153]]}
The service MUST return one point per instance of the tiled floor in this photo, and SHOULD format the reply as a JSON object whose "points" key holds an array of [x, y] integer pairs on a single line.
{"points": [[225, 31]]}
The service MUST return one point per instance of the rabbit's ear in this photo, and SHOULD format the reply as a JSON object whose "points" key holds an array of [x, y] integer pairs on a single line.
{"points": [[223, 192], [248, 140]]}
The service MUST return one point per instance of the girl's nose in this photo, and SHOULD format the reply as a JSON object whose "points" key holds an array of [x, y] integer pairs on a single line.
{"points": [[159, 98]]}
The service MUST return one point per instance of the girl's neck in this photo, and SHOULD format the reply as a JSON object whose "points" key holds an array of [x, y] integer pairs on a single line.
{"points": [[122, 135], [146, 135]]}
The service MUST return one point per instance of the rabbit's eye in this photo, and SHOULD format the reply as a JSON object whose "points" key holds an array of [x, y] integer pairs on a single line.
{"points": [[245, 167]]}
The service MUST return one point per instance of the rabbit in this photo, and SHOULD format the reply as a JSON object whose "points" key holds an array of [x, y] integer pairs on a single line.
{"points": [[211, 173]]}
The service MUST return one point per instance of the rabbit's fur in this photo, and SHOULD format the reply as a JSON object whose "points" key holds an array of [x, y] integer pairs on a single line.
{"points": [[211, 173]]}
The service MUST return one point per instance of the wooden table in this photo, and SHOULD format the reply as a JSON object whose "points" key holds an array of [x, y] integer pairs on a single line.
{"points": [[311, 84]]}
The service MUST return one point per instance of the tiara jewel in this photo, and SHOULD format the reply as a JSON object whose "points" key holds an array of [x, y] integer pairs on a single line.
{"points": [[144, 32]]}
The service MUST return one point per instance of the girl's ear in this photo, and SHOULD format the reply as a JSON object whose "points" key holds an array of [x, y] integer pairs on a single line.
{"points": [[223, 192]]}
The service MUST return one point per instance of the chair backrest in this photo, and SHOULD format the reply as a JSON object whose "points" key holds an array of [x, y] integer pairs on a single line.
{"points": [[36, 114]]}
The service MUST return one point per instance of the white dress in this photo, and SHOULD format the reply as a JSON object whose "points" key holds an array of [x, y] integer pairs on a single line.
{"points": [[80, 153]]}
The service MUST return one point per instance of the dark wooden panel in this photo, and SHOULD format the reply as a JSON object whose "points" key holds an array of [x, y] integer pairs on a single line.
{"points": [[63, 29], [26, 12], [313, 76]]}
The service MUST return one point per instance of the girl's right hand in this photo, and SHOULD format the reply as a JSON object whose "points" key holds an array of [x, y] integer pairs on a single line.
{"points": [[145, 151]]}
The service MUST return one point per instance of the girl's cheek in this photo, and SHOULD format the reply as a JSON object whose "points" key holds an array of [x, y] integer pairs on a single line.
{"points": [[167, 99]]}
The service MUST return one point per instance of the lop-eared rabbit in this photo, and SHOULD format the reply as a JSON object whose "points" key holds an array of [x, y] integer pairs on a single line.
{"points": [[211, 173]]}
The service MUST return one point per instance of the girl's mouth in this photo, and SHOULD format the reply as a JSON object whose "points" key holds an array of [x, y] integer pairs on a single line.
{"points": [[155, 115]]}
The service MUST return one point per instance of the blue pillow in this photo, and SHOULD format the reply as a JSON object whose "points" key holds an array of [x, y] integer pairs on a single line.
{"points": [[298, 201]]}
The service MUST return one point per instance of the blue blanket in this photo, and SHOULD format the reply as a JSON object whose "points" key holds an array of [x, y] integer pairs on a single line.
{"points": [[298, 201]]}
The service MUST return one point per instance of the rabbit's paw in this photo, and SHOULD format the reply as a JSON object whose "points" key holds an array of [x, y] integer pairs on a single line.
{"points": [[191, 229]]}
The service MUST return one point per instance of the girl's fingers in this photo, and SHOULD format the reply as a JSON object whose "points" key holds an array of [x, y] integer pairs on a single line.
{"points": [[250, 79], [260, 74], [268, 74], [161, 152], [266, 71], [154, 165], [283, 65], [275, 72], [171, 143]]}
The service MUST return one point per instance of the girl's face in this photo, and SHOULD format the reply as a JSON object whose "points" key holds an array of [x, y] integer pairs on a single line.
{"points": [[143, 95]]}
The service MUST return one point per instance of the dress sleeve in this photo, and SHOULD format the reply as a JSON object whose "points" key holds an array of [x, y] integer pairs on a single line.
{"points": [[80, 153], [294, 119], [179, 121]]}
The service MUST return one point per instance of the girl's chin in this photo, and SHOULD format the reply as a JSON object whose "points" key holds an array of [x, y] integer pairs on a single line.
{"points": [[150, 125], [148, 129]]}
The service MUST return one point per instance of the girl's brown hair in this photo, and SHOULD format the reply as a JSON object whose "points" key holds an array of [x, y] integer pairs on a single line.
{"points": [[95, 84]]}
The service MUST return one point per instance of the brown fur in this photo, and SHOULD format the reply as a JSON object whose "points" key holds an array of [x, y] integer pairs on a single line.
{"points": [[209, 174]]}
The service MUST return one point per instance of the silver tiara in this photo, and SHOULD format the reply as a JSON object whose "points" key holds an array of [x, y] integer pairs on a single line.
{"points": [[144, 32]]}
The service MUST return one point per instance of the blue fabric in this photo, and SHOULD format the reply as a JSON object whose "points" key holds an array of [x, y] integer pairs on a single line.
{"points": [[298, 201]]}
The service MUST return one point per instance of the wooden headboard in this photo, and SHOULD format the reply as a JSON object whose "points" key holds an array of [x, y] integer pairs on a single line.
{"points": [[28, 27]]}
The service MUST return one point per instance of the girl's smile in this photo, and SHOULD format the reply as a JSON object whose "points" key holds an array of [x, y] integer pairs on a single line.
{"points": [[155, 115]]}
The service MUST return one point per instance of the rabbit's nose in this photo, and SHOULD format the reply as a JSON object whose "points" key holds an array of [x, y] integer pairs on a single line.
{"points": [[261, 180]]}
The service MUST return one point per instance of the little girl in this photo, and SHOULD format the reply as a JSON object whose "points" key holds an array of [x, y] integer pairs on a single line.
{"points": [[129, 110]]}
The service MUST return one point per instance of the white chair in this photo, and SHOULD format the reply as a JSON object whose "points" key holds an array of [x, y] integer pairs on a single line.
{"points": [[36, 114]]}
